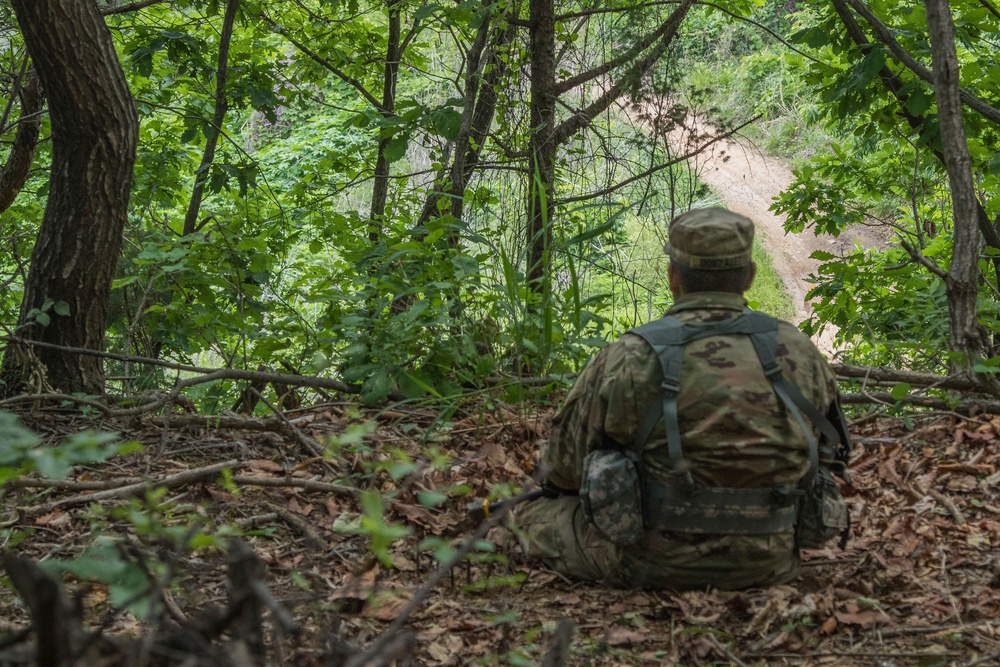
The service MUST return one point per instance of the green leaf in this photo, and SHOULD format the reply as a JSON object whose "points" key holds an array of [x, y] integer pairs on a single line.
{"points": [[994, 168], [396, 148], [431, 498], [900, 391], [447, 121], [919, 102], [61, 308], [822, 255], [589, 234]]}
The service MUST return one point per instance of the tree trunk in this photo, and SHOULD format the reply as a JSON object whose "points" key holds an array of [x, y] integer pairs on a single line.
{"points": [[15, 171], [380, 188], [94, 134], [964, 271], [219, 116], [485, 69], [541, 145]]}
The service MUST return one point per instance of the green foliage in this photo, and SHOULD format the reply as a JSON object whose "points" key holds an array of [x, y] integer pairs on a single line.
{"points": [[21, 453], [288, 269]]}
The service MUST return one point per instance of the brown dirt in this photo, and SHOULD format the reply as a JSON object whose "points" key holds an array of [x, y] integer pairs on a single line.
{"points": [[919, 583]]}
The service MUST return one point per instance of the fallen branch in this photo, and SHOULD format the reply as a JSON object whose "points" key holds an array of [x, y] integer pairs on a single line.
{"points": [[295, 483], [955, 382], [299, 523], [129, 490], [212, 374], [883, 398], [69, 485], [721, 648], [31, 398], [393, 632], [226, 422], [308, 443]]}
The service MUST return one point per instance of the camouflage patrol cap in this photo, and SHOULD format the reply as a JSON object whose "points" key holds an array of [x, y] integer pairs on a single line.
{"points": [[710, 239]]}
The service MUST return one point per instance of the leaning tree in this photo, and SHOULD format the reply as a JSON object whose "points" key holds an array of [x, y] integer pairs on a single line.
{"points": [[94, 135]]}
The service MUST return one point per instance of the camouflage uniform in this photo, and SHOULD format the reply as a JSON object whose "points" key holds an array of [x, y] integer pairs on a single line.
{"points": [[735, 431]]}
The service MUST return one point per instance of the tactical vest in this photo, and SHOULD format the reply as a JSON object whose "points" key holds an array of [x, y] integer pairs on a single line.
{"points": [[680, 505]]}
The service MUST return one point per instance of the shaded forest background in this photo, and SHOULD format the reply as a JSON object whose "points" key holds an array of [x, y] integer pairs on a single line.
{"points": [[220, 217]]}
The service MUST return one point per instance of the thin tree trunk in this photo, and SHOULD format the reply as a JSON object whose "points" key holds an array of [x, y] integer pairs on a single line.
{"points": [[218, 118], [94, 134], [15, 171], [541, 144], [480, 109], [380, 189], [964, 271]]}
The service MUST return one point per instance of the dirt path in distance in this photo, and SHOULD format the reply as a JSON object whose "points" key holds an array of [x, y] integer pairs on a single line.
{"points": [[746, 181]]}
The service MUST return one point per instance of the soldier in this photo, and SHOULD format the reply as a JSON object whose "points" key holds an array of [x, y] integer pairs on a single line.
{"points": [[697, 450]]}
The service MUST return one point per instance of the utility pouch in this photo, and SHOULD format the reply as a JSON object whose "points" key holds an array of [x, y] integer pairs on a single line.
{"points": [[823, 514], [611, 496]]}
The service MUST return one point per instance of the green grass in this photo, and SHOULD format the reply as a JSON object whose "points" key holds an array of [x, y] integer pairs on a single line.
{"points": [[768, 293]]}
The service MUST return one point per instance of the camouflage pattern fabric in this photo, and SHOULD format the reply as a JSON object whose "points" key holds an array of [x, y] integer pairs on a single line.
{"points": [[735, 433], [610, 496]]}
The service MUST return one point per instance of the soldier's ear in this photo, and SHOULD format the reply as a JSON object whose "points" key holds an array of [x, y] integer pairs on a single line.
{"points": [[751, 274], [674, 280]]}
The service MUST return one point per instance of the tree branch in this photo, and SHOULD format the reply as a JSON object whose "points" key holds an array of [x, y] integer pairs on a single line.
{"points": [[135, 6], [216, 373], [929, 380], [882, 33], [569, 127], [988, 5], [883, 398], [920, 258], [657, 168], [333, 69], [586, 13], [630, 55], [895, 87], [169, 482], [763, 27], [218, 118]]}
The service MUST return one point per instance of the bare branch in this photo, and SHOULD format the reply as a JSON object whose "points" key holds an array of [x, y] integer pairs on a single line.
{"points": [[883, 375], [884, 398], [613, 10], [763, 27], [135, 6], [212, 373], [657, 168], [169, 482], [29, 398], [571, 126], [342, 75], [630, 55], [218, 117]]}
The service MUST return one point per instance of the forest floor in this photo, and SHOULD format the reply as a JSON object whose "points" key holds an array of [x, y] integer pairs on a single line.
{"points": [[917, 585]]}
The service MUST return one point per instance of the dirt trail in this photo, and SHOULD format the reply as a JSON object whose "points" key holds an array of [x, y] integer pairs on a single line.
{"points": [[746, 180]]}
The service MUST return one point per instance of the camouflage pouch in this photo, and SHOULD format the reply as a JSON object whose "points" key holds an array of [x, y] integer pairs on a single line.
{"points": [[611, 497], [823, 514]]}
